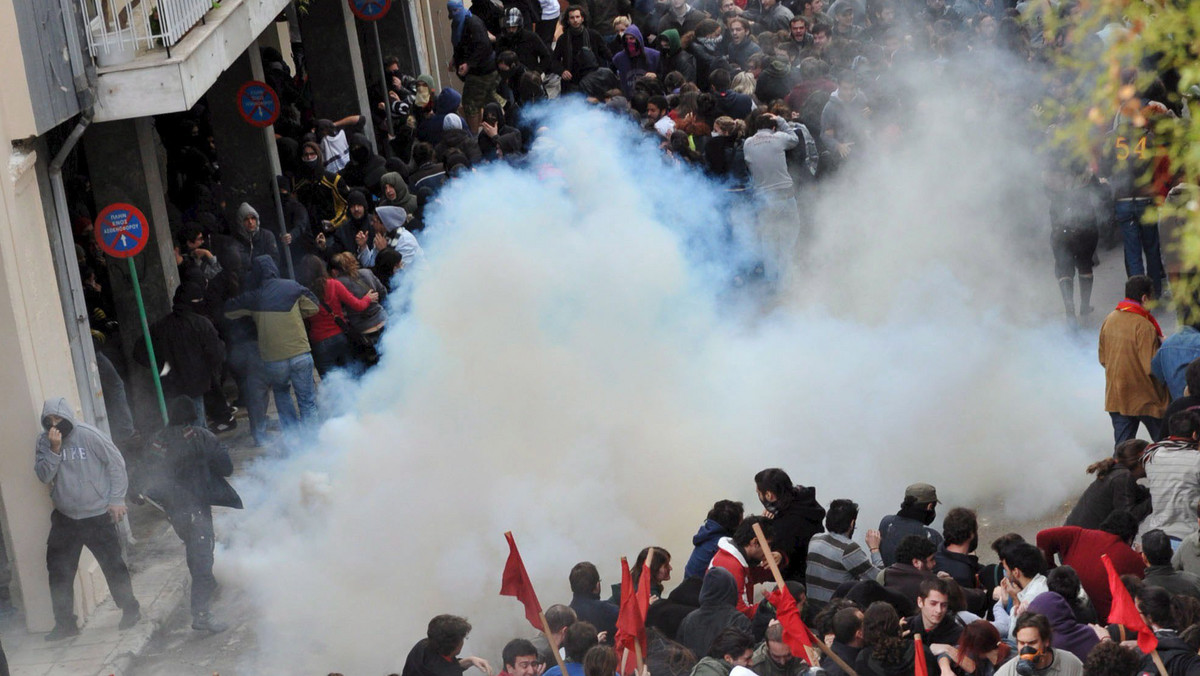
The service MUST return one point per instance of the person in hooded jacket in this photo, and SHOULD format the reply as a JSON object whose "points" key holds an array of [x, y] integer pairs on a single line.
{"points": [[674, 56], [721, 522], [295, 219], [743, 556], [796, 516], [775, 82], [188, 343], [188, 480], [717, 611], [250, 240], [278, 307], [496, 138], [323, 193], [579, 50], [456, 136], [515, 37], [429, 129], [87, 479], [391, 233], [365, 167], [634, 60], [394, 193], [1068, 633]]}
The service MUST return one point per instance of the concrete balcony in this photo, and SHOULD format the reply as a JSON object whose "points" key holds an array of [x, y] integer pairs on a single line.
{"points": [[154, 79]]}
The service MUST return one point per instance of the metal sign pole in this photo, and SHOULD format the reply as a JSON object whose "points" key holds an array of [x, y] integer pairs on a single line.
{"points": [[137, 293]]}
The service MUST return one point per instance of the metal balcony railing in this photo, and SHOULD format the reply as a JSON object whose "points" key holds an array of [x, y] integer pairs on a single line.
{"points": [[118, 29]]}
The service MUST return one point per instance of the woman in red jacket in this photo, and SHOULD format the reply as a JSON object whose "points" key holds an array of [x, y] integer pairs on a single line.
{"points": [[330, 345]]}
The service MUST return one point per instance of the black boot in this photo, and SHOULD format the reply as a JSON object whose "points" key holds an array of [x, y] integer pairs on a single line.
{"points": [[1067, 287], [1085, 295], [61, 631]]}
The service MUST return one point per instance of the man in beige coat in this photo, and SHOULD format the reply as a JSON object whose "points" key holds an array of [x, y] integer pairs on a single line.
{"points": [[1129, 337]]}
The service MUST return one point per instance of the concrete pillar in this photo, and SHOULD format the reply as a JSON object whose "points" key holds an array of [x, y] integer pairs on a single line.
{"points": [[333, 56], [123, 159], [241, 147], [37, 366]]}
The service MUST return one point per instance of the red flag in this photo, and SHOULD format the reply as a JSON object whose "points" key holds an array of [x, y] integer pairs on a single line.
{"points": [[645, 585], [631, 622], [919, 666], [515, 582], [1124, 612], [795, 633]]}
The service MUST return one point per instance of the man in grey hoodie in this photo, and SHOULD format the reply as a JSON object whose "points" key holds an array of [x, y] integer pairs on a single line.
{"points": [[87, 481]]}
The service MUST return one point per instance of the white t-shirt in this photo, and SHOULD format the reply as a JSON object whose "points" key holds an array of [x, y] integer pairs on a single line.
{"points": [[337, 151], [550, 9]]}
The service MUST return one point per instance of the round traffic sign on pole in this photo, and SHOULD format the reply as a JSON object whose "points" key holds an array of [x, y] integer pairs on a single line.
{"points": [[370, 10], [258, 103], [122, 230]]}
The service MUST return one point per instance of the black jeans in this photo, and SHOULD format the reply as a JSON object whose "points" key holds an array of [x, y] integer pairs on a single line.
{"points": [[195, 528], [67, 539]]}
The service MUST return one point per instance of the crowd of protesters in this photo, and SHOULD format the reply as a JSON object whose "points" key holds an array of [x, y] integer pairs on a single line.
{"points": [[1041, 607], [770, 97]]}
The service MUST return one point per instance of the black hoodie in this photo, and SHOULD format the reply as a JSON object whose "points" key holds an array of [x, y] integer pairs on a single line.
{"points": [[718, 610], [365, 168], [799, 518]]}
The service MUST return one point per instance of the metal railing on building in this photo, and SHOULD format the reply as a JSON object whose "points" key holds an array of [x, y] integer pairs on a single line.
{"points": [[118, 29]]}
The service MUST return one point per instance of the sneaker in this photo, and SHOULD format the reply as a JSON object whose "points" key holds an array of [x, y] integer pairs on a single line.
{"points": [[130, 618], [225, 426], [62, 631], [205, 622]]}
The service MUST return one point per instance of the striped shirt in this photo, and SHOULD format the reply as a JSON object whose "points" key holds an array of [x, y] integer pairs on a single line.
{"points": [[834, 559]]}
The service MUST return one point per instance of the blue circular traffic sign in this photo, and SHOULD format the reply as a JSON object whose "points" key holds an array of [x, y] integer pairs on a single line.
{"points": [[258, 103], [370, 10], [122, 230]]}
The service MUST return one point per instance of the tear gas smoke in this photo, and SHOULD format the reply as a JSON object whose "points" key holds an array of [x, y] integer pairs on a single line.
{"points": [[573, 367]]}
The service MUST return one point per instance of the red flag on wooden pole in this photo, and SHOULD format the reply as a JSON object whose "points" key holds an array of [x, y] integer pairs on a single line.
{"points": [[631, 623], [795, 633], [920, 668], [515, 582], [1124, 611]]}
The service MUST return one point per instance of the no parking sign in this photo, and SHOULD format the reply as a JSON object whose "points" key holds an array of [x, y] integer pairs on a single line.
{"points": [[122, 230], [258, 103], [370, 10]]}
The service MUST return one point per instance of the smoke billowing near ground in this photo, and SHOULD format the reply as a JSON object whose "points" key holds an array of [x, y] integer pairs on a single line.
{"points": [[574, 366]]}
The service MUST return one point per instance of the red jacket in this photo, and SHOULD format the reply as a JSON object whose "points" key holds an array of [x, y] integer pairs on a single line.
{"points": [[321, 325], [1080, 548], [729, 558]]}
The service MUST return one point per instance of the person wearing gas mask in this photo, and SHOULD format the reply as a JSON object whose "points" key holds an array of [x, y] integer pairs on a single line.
{"points": [[87, 479], [1035, 655], [795, 516]]}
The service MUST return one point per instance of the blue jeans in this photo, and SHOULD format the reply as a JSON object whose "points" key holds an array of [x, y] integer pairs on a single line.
{"points": [[293, 375], [331, 353], [247, 367], [1140, 239], [1125, 426]]}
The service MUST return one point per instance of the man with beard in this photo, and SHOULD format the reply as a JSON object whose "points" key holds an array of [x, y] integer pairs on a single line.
{"points": [[834, 558], [738, 554], [795, 516], [917, 511], [579, 50]]}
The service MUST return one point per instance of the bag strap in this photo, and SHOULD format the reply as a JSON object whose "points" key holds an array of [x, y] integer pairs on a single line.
{"points": [[340, 321]]}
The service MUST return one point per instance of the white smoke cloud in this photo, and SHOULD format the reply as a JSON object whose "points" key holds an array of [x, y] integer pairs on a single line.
{"points": [[572, 368]]}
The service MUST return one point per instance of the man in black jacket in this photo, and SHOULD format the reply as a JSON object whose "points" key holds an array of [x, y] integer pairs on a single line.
{"points": [[795, 515], [187, 348], [187, 477], [529, 48], [585, 587], [1154, 605]]}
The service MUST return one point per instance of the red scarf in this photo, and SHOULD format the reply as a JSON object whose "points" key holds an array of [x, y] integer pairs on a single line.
{"points": [[1137, 309]]}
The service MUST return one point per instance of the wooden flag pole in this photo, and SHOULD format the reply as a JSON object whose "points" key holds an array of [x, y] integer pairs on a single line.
{"points": [[624, 660], [553, 644], [779, 583]]}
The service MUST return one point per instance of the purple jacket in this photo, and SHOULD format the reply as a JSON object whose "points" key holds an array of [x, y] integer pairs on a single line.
{"points": [[1067, 634], [630, 68]]}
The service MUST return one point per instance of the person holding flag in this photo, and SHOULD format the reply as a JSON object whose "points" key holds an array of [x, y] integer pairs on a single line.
{"points": [[1154, 610], [515, 582]]}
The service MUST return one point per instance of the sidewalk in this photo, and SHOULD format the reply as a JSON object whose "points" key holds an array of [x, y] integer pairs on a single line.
{"points": [[160, 583]]}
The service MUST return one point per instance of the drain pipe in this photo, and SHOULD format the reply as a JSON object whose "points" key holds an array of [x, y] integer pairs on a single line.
{"points": [[70, 285]]}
